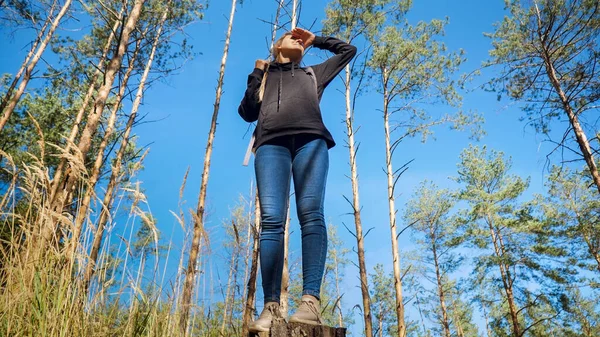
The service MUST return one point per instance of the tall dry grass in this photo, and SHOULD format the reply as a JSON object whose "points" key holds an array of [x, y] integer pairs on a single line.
{"points": [[42, 291]]}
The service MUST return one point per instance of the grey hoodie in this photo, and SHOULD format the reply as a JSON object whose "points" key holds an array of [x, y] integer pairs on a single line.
{"points": [[290, 103]]}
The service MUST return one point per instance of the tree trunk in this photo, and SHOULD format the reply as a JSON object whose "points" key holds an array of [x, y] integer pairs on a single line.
{"points": [[12, 102], [116, 171], [285, 277], [58, 175], [227, 294], [392, 213], [506, 281], [445, 321], [82, 212], [356, 211], [37, 41], [234, 284], [592, 248], [251, 294], [338, 294], [247, 253], [199, 219], [94, 117], [582, 140], [294, 13]]}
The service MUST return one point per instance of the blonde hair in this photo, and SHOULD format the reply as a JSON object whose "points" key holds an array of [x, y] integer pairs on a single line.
{"points": [[274, 56]]}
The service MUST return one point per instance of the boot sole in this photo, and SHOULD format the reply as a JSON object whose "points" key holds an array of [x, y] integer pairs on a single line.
{"points": [[297, 320], [258, 329]]}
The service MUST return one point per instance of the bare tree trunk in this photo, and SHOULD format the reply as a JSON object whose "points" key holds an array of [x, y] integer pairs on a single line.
{"points": [[251, 294], [234, 284], [445, 320], [247, 254], [364, 282], [582, 140], [294, 13], [392, 213], [227, 294], [37, 41], [199, 218], [116, 171], [338, 293], [507, 281], [12, 102], [58, 175], [85, 204], [459, 329], [285, 278], [380, 325], [487, 324], [94, 117], [231, 282]]}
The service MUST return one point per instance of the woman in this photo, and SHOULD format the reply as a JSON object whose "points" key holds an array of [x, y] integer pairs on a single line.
{"points": [[292, 141]]}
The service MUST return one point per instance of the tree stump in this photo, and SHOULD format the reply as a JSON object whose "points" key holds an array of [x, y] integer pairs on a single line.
{"points": [[281, 328]]}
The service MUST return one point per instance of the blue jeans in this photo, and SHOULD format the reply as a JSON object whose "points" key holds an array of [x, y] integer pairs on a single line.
{"points": [[306, 158]]}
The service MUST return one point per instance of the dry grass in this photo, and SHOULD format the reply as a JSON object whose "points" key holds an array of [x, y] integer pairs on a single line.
{"points": [[42, 291]]}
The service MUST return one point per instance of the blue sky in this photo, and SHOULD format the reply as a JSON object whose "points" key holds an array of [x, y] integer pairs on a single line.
{"points": [[182, 107]]}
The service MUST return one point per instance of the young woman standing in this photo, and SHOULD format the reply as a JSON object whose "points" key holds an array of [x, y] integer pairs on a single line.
{"points": [[291, 141]]}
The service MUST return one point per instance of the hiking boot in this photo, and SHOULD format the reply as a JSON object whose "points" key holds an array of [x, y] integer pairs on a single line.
{"points": [[264, 321], [309, 311]]}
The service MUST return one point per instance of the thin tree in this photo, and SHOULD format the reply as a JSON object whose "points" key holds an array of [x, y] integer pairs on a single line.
{"points": [[229, 302], [428, 210], [350, 20], [249, 307], [100, 66], [413, 69], [38, 39], [491, 193], [186, 295], [116, 170], [93, 119], [82, 212], [285, 277], [12, 101], [251, 293]]}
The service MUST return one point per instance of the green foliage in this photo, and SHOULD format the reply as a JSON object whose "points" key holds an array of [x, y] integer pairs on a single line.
{"points": [[571, 211], [383, 305], [437, 234], [542, 34], [413, 69]]}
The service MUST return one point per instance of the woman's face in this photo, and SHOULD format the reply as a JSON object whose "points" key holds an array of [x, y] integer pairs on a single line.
{"points": [[291, 47]]}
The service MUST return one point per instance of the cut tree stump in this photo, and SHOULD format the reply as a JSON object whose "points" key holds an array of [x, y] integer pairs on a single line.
{"points": [[281, 328]]}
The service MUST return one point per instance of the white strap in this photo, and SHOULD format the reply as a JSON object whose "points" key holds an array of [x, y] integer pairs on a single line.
{"points": [[249, 151]]}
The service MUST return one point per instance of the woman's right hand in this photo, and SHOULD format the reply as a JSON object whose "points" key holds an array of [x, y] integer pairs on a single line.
{"points": [[261, 64]]}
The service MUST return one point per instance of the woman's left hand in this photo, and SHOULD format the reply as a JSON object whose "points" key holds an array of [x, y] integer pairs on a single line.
{"points": [[306, 36]]}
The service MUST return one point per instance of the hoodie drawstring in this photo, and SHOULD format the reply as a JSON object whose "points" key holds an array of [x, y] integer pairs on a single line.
{"points": [[279, 89]]}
